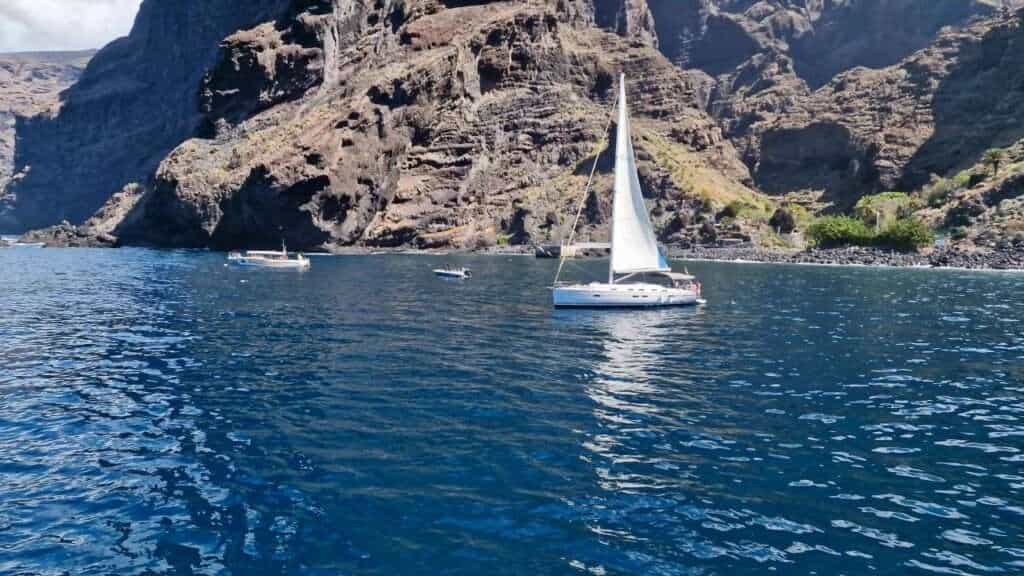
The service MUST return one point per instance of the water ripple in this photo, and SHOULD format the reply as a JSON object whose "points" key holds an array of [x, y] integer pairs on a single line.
{"points": [[163, 414]]}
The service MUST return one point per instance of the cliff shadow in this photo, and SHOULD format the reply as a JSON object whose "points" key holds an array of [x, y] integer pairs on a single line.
{"points": [[852, 34], [136, 101], [978, 105], [263, 214], [821, 156]]}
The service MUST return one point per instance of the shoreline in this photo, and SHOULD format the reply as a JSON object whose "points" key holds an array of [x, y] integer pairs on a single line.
{"points": [[947, 257], [951, 258], [924, 267], [955, 258], [943, 259]]}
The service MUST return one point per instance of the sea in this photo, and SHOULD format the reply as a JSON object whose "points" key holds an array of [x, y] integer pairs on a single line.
{"points": [[164, 413]]}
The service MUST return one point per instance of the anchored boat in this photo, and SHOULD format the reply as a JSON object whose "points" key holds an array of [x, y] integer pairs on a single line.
{"points": [[270, 259], [15, 242], [638, 274], [460, 273]]}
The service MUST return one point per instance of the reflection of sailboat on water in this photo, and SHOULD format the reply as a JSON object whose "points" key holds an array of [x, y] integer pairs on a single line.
{"points": [[634, 405], [637, 264], [634, 346], [631, 351]]}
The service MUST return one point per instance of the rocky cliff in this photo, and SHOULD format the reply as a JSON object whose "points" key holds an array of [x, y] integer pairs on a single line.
{"points": [[426, 124], [137, 99], [868, 130], [30, 84], [471, 122], [821, 38]]}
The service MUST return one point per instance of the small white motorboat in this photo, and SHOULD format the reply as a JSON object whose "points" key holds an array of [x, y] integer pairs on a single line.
{"points": [[270, 259], [638, 274], [15, 242], [461, 273]]}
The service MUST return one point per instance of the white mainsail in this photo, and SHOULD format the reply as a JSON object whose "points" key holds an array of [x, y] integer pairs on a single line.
{"points": [[634, 246]]}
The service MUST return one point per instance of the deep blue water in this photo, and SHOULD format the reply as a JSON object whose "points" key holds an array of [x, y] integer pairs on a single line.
{"points": [[161, 413]]}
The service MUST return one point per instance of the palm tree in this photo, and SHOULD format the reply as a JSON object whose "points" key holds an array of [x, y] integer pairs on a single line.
{"points": [[993, 158]]}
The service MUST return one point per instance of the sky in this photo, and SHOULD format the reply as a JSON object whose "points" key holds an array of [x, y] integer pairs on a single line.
{"points": [[30, 25]]}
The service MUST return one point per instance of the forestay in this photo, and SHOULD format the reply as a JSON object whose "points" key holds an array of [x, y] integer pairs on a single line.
{"points": [[634, 246]]}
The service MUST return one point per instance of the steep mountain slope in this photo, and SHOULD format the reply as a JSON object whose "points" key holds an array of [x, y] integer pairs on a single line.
{"points": [[869, 130], [30, 84], [821, 37], [983, 205], [135, 102], [429, 126], [472, 122]]}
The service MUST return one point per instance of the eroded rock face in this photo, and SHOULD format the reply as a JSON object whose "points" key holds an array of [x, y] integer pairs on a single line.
{"points": [[30, 84], [822, 37], [430, 125], [136, 101], [984, 208], [871, 130], [629, 18], [471, 122], [845, 97]]}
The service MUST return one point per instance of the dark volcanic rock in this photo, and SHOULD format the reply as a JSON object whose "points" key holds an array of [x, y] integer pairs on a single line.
{"points": [[136, 101], [783, 221], [952, 257], [947, 95], [873, 130], [96, 232], [429, 126], [67, 235], [821, 38], [467, 123], [30, 84]]}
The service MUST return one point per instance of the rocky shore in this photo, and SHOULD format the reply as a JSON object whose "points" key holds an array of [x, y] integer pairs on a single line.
{"points": [[1008, 257], [67, 235], [946, 257]]}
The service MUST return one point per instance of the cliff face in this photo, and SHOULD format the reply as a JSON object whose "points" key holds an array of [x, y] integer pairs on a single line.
{"points": [[473, 122], [137, 99], [30, 84], [425, 124], [867, 130], [821, 96], [821, 37]]}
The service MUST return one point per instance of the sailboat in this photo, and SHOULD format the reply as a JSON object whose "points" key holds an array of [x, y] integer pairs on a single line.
{"points": [[638, 274]]}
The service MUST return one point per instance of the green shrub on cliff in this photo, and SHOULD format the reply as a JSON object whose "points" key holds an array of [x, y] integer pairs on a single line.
{"points": [[881, 198], [994, 159], [740, 209], [942, 190], [834, 231], [906, 235], [880, 209]]}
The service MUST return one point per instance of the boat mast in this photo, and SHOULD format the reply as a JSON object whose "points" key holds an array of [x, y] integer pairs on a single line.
{"points": [[618, 145]]}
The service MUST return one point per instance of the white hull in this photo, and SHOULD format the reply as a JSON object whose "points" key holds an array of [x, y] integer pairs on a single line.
{"points": [[623, 296], [281, 264], [461, 274]]}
